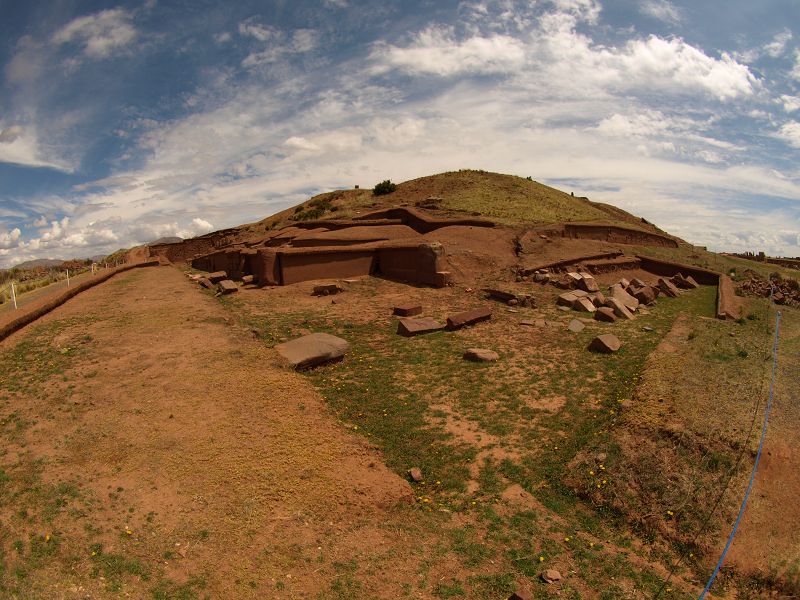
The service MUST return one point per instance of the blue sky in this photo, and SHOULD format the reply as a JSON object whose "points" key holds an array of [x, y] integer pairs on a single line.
{"points": [[122, 123]]}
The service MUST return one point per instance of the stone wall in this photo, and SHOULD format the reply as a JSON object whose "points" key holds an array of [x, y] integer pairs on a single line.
{"points": [[617, 235]]}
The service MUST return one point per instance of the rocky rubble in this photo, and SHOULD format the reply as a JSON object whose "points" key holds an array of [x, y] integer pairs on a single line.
{"points": [[786, 291]]}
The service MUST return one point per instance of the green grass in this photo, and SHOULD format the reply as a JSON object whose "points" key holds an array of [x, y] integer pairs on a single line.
{"points": [[386, 388]]}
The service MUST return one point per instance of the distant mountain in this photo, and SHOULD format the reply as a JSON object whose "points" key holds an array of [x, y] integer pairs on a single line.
{"points": [[39, 262], [166, 240]]}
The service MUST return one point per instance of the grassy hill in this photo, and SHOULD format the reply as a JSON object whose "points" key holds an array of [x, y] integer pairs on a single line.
{"points": [[505, 199]]}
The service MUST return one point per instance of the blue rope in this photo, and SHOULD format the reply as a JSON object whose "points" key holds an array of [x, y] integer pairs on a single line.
{"points": [[755, 466]]}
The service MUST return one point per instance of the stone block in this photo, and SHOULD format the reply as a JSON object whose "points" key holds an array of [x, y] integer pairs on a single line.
{"points": [[584, 304], [226, 286], [206, 283], [645, 295], [576, 326], [566, 299], [409, 309], [312, 350], [620, 310], [217, 276], [667, 288], [606, 343], [481, 355], [410, 327], [469, 317], [327, 289], [620, 294], [604, 313]]}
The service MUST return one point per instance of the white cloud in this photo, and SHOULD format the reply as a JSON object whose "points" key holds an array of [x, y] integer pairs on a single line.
{"points": [[586, 10], [778, 44], [21, 146], [795, 72], [790, 133], [10, 134], [662, 10], [101, 34], [223, 38], [276, 44], [336, 3], [10, 239], [790, 103], [435, 51], [653, 64], [253, 29]]}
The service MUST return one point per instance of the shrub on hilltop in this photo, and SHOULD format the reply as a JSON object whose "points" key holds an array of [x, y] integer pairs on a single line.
{"points": [[383, 188]]}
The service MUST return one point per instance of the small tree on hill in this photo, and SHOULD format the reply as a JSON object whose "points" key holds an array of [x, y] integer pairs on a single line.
{"points": [[384, 187]]}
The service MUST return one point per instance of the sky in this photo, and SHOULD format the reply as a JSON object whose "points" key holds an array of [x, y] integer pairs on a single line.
{"points": [[124, 122]]}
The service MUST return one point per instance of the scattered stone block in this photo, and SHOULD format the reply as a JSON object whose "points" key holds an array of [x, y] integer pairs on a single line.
{"points": [[620, 294], [588, 284], [623, 282], [564, 308], [606, 314], [500, 295], [327, 289], [481, 355], [408, 309], [645, 295], [521, 594], [226, 286], [541, 277], [206, 283], [638, 283], [312, 350], [620, 310], [576, 326], [411, 327], [217, 276], [566, 299], [647, 329], [584, 304], [512, 302], [668, 288], [248, 279], [580, 293], [683, 283], [606, 343], [469, 317], [415, 474], [551, 576], [598, 298]]}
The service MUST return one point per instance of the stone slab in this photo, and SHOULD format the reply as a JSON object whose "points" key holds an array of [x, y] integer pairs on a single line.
{"points": [[409, 309], [481, 355], [411, 326], [217, 276], [226, 286], [606, 343], [469, 317], [312, 350]]}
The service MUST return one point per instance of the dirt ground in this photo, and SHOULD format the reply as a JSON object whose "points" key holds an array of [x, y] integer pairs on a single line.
{"points": [[768, 540], [198, 457]]}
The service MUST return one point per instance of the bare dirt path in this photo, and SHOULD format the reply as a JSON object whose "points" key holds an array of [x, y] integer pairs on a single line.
{"points": [[191, 456]]}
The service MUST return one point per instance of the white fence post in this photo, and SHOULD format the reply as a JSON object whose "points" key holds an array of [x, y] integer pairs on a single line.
{"points": [[67, 277], [14, 295]]}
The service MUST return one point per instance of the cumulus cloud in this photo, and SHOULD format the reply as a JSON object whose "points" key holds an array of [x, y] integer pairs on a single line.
{"points": [[662, 10], [10, 239], [436, 51], [655, 63], [795, 72], [100, 34]]}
